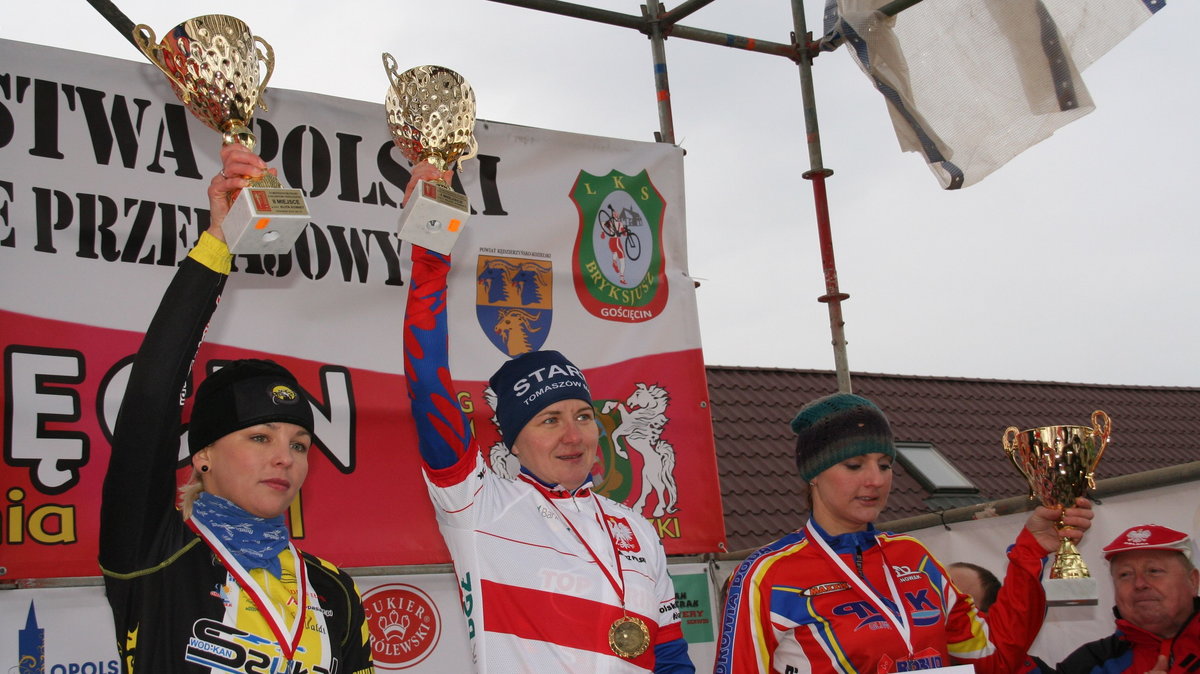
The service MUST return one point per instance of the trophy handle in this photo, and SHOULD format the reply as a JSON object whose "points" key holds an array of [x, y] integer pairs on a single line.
{"points": [[470, 152], [269, 59], [144, 38], [390, 67], [1009, 440], [1102, 425]]}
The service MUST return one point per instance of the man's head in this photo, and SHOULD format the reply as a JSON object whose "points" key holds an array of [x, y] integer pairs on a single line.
{"points": [[981, 584], [1154, 577]]}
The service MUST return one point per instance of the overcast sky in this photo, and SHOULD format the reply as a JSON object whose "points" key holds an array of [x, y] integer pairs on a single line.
{"points": [[1074, 262]]}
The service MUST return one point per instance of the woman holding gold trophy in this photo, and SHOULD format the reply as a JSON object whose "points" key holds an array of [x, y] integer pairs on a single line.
{"points": [[216, 584], [554, 577], [840, 595], [219, 586]]}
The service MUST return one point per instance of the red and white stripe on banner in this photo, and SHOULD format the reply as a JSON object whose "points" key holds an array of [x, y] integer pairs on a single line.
{"points": [[577, 244]]}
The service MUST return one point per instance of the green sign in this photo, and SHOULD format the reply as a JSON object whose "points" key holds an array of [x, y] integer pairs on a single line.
{"points": [[695, 607]]}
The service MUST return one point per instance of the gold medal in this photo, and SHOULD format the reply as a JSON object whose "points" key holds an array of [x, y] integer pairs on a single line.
{"points": [[628, 637]]}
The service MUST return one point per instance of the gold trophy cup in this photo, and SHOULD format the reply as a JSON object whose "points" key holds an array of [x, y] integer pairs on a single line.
{"points": [[431, 114], [1059, 462], [213, 63]]}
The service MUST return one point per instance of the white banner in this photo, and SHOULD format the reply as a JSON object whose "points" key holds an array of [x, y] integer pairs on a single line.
{"points": [[577, 243], [416, 624], [104, 171], [75, 625]]}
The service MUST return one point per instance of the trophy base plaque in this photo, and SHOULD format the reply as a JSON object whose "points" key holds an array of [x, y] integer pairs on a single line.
{"points": [[1071, 592], [265, 221], [434, 217]]}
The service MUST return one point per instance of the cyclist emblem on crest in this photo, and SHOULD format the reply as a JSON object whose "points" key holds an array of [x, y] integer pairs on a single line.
{"points": [[619, 247], [513, 301]]}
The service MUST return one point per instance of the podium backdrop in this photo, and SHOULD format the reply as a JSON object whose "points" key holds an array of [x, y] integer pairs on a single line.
{"points": [[102, 192]]}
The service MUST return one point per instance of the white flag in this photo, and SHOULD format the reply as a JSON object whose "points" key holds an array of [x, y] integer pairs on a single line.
{"points": [[970, 84]]}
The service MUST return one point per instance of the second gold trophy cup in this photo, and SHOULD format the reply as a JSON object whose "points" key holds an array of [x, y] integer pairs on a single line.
{"points": [[1059, 463], [213, 63], [431, 114]]}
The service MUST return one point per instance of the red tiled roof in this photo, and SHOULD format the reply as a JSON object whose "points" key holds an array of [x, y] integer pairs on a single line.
{"points": [[1153, 427]]}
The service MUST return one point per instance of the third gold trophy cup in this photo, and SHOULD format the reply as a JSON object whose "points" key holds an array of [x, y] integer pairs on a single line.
{"points": [[431, 114], [1059, 463], [214, 64]]}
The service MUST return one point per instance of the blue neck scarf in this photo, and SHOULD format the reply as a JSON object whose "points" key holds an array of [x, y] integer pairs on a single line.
{"points": [[255, 542]]}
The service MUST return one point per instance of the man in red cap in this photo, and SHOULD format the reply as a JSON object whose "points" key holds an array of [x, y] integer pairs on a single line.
{"points": [[1155, 582]]}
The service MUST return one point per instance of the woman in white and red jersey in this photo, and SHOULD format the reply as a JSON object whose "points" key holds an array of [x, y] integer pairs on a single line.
{"points": [[841, 596], [554, 577]]}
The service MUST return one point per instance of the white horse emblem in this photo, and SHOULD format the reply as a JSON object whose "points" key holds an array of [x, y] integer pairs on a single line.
{"points": [[643, 417]]}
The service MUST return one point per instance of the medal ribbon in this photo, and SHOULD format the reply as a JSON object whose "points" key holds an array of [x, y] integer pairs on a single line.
{"points": [[259, 596], [899, 618], [619, 588]]}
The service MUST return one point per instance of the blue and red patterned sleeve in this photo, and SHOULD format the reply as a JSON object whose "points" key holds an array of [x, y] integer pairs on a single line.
{"points": [[443, 430]]}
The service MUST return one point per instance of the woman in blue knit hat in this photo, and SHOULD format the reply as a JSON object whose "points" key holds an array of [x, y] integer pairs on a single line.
{"points": [[554, 577], [217, 583], [841, 596]]}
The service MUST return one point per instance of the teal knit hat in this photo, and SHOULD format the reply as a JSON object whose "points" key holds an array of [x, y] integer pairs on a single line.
{"points": [[837, 427]]}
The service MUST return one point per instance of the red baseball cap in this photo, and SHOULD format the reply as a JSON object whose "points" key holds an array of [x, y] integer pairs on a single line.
{"points": [[1150, 537]]}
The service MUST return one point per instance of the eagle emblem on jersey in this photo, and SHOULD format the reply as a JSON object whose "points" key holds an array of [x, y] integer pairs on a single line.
{"points": [[622, 534]]}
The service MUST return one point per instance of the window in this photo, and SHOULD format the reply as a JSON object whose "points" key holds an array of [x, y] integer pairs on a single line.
{"points": [[936, 474]]}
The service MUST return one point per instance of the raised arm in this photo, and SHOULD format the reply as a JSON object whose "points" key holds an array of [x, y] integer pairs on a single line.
{"points": [[1016, 617], [443, 430], [139, 485]]}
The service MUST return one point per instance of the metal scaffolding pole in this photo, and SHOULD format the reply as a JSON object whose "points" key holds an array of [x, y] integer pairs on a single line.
{"points": [[116, 17], [659, 24], [662, 87], [669, 20], [817, 173]]}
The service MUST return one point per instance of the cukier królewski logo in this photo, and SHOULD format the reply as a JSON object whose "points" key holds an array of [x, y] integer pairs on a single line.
{"points": [[618, 252], [405, 625], [514, 301]]}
